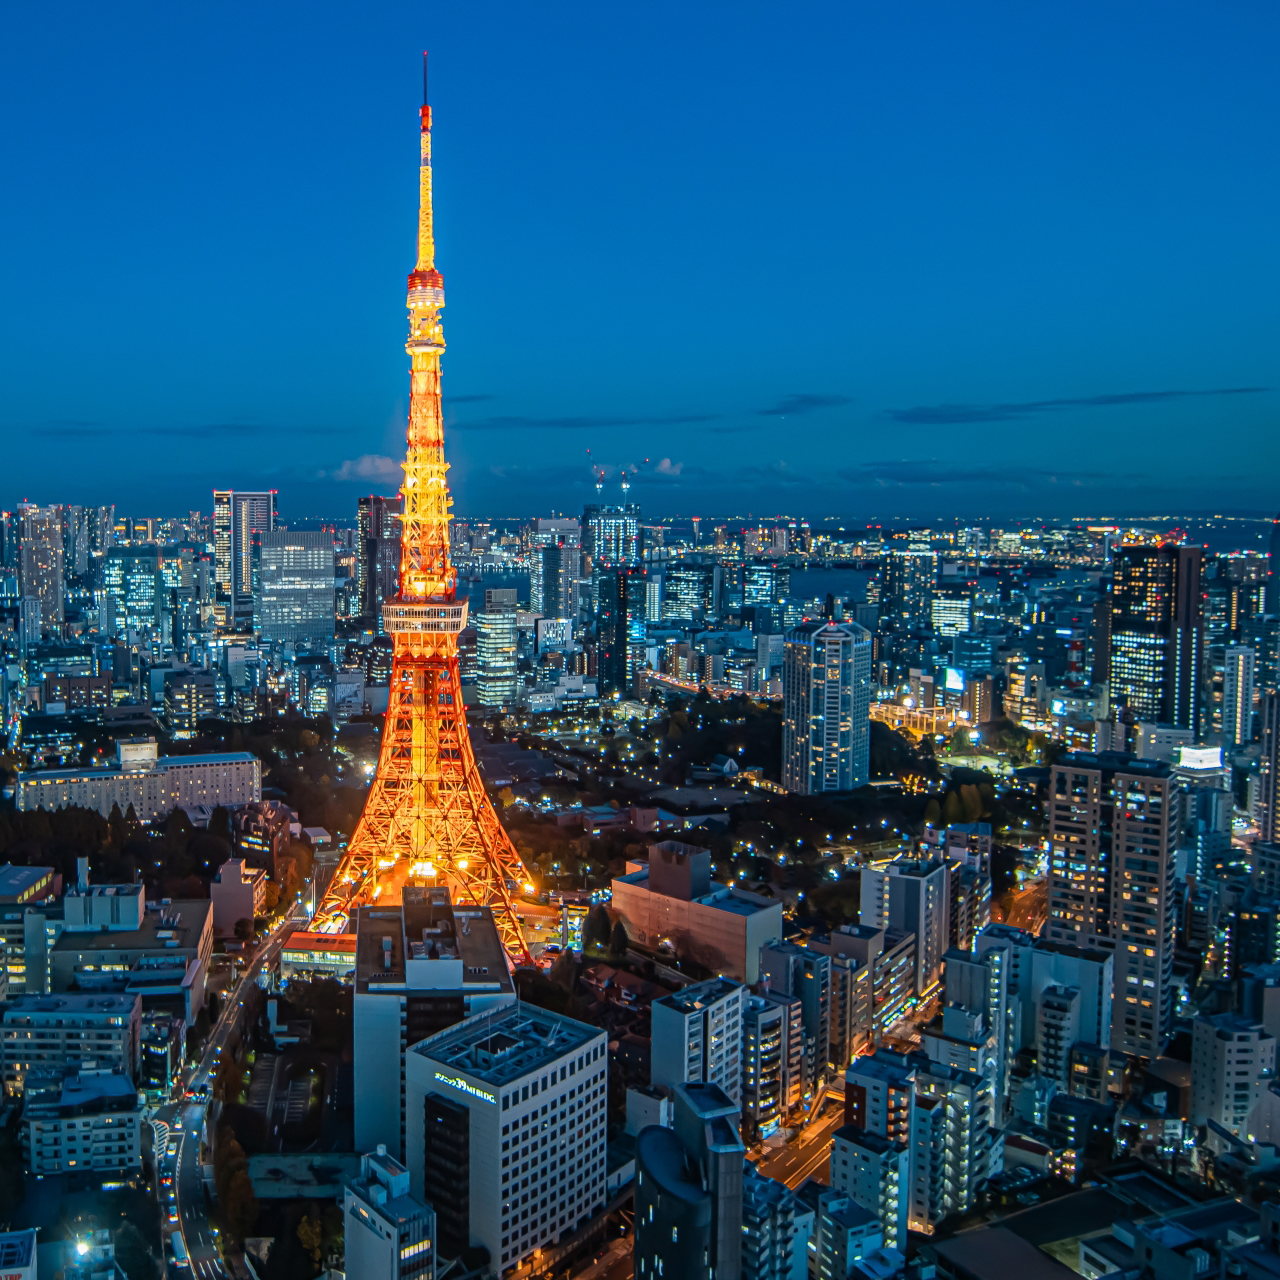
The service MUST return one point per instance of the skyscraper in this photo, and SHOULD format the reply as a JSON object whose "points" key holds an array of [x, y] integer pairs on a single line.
{"points": [[620, 627], [906, 599], [1157, 633], [495, 657], [1237, 694], [377, 554], [826, 701], [1113, 830], [239, 520], [611, 533], [294, 601], [40, 564]]}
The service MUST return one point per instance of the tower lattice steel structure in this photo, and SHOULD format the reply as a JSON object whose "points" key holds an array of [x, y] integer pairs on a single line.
{"points": [[427, 818]]}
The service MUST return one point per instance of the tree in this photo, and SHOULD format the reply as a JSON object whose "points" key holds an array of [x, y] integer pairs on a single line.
{"points": [[564, 971], [311, 1234], [239, 1205], [597, 927], [618, 940], [132, 1255], [244, 928], [271, 899]]}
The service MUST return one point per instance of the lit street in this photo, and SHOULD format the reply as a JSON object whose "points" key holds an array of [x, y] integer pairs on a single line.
{"points": [[187, 1188]]}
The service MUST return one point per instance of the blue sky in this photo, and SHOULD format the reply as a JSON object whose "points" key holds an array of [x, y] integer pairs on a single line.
{"points": [[890, 260]]}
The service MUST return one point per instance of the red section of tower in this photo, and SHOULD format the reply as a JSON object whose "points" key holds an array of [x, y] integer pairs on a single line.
{"points": [[427, 819]]}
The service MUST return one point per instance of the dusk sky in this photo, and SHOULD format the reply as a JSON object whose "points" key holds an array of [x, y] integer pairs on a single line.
{"points": [[848, 259]]}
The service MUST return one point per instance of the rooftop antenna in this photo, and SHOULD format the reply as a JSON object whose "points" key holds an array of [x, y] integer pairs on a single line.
{"points": [[626, 482]]}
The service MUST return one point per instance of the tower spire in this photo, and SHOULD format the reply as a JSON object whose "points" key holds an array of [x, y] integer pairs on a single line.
{"points": [[426, 232]]}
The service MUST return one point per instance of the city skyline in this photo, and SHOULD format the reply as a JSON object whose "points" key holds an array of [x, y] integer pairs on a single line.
{"points": [[984, 297]]}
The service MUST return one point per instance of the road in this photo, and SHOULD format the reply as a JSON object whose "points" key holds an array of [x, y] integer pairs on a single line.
{"points": [[806, 1157], [1029, 908], [182, 1182]]}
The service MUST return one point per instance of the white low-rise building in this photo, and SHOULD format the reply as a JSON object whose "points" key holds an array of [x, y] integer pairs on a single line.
{"points": [[154, 785], [82, 1123]]}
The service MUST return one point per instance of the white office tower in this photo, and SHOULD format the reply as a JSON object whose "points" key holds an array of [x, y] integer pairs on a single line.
{"points": [[507, 1112], [420, 967], [697, 1037], [911, 896], [1232, 1058], [804, 975], [390, 1234], [1237, 694], [826, 707], [875, 1173]]}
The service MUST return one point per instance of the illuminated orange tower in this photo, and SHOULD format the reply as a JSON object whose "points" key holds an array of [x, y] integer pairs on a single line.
{"points": [[427, 818]]}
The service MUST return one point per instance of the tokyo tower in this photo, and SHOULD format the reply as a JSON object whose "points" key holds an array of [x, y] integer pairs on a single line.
{"points": [[427, 819]]}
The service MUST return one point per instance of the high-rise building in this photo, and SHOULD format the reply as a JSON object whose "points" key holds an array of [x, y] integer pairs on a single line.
{"points": [[611, 534], [689, 1223], [1232, 1058], [772, 1061], [620, 628], [377, 554], [875, 1173], [131, 591], [804, 975], [390, 1234], [775, 1233], [692, 589], [40, 564], [508, 1115], [906, 598], [826, 700], [911, 896], [294, 601], [1113, 831], [765, 582], [239, 521], [420, 968], [496, 664], [697, 1036], [1157, 634], [1237, 694]]}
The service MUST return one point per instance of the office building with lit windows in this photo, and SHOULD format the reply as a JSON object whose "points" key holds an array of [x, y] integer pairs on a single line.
{"points": [[697, 1036], [496, 663], [1156, 634], [389, 1234], [505, 1134], [239, 521], [1113, 831], [826, 707], [294, 600]]}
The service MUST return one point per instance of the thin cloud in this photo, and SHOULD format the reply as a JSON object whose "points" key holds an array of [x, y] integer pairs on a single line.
{"points": [[369, 466], [668, 468], [943, 415], [794, 405], [515, 423], [931, 472]]}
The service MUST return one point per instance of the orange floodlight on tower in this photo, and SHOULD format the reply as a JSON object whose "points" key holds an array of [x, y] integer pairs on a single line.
{"points": [[427, 819]]}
